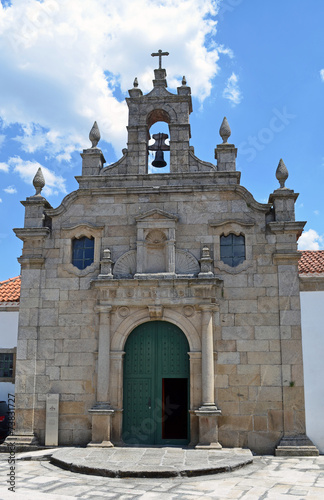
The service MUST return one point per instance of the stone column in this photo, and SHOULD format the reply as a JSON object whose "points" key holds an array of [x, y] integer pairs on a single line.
{"points": [[208, 412], [171, 251], [102, 411], [140, 251]]}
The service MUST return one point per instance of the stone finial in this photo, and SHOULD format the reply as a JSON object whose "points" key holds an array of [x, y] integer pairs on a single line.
{"points": [[38, 182], [135, 83], [282, 173], [184, 81], [225, 130], [94, 135], [106, 265], [206, 263]]}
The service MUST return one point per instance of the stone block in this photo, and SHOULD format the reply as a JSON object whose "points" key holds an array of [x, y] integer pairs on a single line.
{"points": [[265, 280], [291, 352], [248, 370], [244, 380], [294, 398], [232, 394], [227, 319], [260, 423], [75, 373], [291, 318], [267, 304], [69, 306], [225, 369], [231, 358], [68, 386], [230, 408], [236, 422], [267, 332], [80, 345], [275, 420], [288, 280], [263, 443], [74, 320], [71, 407], [81, 358], [266, 393], [252, 345], [275, 345], [271, 375], [45, 349], [53, 372], [221, 381], [264, 358], [237, 332], [258, 407], [243, 306], [258, 319]]}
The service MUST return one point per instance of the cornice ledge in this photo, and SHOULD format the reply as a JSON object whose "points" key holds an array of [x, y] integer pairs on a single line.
{"points": [[118, 163], [82, 225], [205, 163], [156, 282], [286, 226], [250, 200], [285, 257], [156, 211], [241, 222], [31, 232]]}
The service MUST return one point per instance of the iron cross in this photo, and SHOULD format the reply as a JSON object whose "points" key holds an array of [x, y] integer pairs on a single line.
{"points": [[160, 54]]}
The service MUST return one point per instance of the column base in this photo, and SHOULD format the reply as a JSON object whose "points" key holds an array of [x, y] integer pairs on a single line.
{"points": [[103, 444], [300, 446], [101, 425], [20, 443], [208, 428]]}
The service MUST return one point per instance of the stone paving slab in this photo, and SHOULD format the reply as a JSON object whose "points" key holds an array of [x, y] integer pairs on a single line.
{"points": [[267, 478], [150, 462]]}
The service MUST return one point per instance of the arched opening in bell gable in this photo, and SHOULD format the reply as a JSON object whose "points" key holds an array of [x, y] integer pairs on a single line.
{"points": [[159, 142]]}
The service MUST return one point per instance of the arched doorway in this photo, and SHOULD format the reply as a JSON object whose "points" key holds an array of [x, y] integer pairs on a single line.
{"points": [[156, 385]]}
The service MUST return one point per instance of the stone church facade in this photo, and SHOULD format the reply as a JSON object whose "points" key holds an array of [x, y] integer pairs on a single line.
{"points": [[162, 308]]}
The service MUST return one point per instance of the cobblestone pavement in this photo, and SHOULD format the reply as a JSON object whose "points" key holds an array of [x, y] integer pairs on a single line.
{"points": [[267, 478]]}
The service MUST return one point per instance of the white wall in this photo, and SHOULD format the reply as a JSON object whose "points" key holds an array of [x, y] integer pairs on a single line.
{"points": [[8, 339], [312, 318]]}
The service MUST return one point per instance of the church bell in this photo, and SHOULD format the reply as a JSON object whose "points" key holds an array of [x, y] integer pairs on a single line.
{"points": [[158, 161]]}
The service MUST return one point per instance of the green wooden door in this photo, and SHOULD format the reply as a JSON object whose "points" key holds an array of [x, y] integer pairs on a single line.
{"points": [[156, 385]]}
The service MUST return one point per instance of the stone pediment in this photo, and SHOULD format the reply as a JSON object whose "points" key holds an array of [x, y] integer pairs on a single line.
{"points": [[155, 214]]}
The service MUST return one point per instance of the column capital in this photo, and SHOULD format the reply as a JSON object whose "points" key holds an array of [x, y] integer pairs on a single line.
{"points": [[208, 307], [103, 308]]}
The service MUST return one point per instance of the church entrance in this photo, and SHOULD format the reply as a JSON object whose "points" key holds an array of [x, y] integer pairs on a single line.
{"points": [[156, 385]]}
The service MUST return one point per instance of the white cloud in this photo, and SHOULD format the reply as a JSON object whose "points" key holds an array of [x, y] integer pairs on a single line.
{"points": [[316, 212], [4, 167], [10, 190], [0, 200], [310, 240], [27, 170], [2, 139], [322, 74], [232, 91], [63, 63]]}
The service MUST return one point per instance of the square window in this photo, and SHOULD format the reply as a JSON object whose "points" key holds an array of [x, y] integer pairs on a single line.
{"points": [[232, 249]]}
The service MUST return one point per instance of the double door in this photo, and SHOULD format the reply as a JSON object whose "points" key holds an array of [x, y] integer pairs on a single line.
{"points": [[156, 385]]}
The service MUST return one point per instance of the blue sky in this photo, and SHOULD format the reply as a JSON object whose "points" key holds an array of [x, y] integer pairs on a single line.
{"points": [[65, 64]]}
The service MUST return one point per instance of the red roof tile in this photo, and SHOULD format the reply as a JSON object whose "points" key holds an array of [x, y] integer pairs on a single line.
{"points": [[10, 290], [311, 262]]}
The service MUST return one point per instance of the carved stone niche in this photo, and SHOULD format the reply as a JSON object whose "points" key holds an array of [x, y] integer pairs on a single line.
{"points": [[155, 243]]}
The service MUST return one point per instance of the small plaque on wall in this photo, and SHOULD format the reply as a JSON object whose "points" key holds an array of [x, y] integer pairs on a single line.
{"points": [[52, 413]]}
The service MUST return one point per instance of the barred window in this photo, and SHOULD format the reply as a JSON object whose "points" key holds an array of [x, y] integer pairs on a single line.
{"points": [[232, 249], [82, 252], [6, 365]]}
